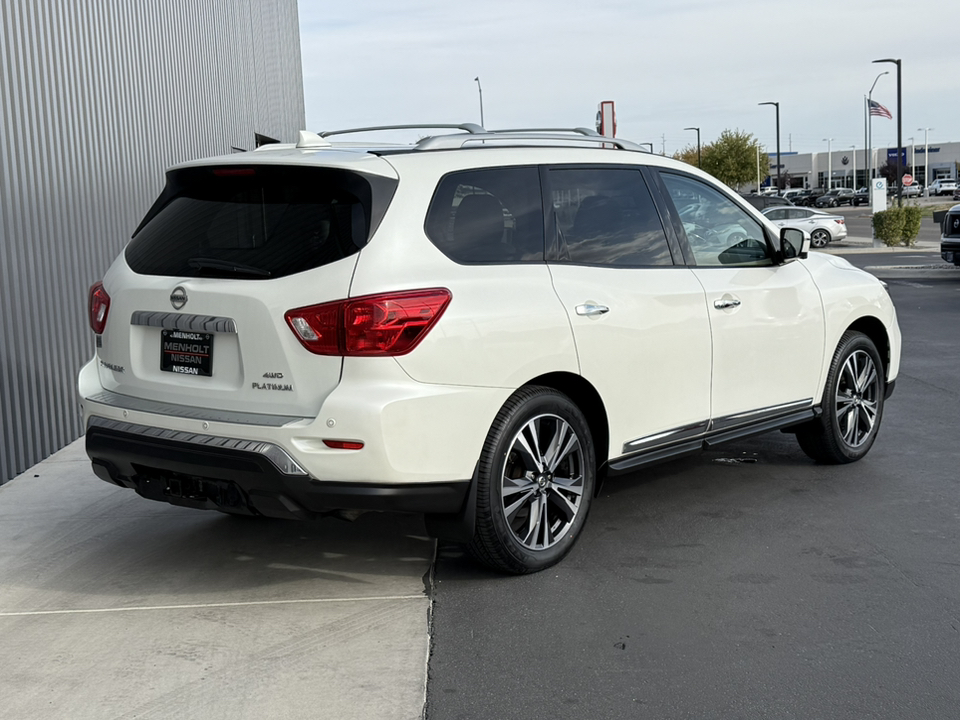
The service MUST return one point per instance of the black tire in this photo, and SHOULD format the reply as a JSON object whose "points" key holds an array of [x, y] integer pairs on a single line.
{"points": [[539, 527], [819, 238], [852, 404]]}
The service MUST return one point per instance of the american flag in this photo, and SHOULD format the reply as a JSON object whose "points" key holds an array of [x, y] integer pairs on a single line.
{"points": [[879, 110]]}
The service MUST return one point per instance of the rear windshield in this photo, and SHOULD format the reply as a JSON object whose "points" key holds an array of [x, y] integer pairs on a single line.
{"points": [[256, 222]]}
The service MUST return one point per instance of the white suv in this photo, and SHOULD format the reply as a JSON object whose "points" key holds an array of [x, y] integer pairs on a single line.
{"points": [[476, 327], [943, 186]]}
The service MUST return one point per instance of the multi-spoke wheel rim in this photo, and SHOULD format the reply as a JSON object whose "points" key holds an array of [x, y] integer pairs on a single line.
{"points": [[819, 238], [858, 398], [542, 482]]}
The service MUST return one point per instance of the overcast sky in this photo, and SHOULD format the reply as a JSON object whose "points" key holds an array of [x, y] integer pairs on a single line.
{"points": [[668, 64]]}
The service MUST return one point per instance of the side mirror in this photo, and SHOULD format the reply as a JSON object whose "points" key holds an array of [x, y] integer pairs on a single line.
{"points": [[794, 244]]}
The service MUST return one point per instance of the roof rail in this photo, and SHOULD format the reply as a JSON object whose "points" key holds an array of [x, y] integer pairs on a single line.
{"points": [[578, 130], [468, 127], [502, 137]]}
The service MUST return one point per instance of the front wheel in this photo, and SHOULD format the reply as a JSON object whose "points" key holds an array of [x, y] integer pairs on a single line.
{"points": [[535, 482], [852, 405]]}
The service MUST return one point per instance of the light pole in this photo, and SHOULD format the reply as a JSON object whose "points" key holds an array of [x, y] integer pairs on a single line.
{"points": [[698, 143], [480, 90], [926, 161], [829, 164], [869, 128], [913, 155], [854, 167], [777, 106], [896, 61]]}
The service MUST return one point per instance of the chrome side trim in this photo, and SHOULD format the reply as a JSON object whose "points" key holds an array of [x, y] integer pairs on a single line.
{"points": [[669, 436], [754, 416], [181, 321], [112, 399], [274, 453]]}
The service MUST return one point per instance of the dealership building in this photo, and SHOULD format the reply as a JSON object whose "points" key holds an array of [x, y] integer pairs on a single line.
{"points": [[847, 167], [97, 99]]}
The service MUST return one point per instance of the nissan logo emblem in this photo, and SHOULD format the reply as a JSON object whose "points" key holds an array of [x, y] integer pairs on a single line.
{"points": [[178, 298]]}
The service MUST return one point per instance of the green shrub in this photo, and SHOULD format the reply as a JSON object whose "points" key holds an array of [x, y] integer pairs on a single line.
{"points": [[888, 226], [912, 217]]}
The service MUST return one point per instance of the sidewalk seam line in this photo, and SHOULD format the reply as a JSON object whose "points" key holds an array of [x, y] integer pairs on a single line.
{"points": [[197, 606]]}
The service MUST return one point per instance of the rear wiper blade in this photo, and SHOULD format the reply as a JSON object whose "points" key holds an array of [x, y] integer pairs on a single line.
{"points": [[203, 263]]}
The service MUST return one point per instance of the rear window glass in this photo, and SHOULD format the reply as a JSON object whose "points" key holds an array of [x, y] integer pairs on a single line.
{"points": [[255, 222], [488, 216]]}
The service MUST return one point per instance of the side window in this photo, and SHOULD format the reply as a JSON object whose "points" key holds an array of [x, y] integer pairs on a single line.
{"points": [[799, 214], [777, 214], [719, 231], [488, 216], [605, 216]]}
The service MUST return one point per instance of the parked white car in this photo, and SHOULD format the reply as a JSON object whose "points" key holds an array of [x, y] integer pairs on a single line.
{"points": [[943, 186], [823, 227], [476, 327]]}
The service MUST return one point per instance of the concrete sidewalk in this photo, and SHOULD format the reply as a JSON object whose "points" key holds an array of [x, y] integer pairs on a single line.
{"points": [[852, 244], [113, 606]]}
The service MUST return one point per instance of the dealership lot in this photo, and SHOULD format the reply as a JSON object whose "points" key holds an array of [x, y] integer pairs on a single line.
{"points": [[746, 582]]}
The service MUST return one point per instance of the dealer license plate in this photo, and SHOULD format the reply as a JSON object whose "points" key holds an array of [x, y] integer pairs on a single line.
{"points": [[187, 353]]}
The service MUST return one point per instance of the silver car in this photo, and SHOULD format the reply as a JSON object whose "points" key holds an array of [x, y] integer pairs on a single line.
{"points": [[823, 227]]}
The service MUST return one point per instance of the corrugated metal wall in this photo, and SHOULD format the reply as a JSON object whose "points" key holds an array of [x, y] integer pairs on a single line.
{"points": [[97, 98]]}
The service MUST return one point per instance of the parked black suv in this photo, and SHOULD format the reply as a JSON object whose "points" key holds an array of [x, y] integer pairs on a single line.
{"points": [[836, 197], [807, 197], [762, 202], [950, 239]]}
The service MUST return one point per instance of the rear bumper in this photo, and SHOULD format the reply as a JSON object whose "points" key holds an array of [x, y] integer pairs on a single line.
{"points": [[245, 480]]}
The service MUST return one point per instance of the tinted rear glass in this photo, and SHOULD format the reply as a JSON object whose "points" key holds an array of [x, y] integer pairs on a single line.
{"points": [[255, 222]]}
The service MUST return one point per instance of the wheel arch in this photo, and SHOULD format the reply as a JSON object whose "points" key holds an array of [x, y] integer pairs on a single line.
{"points": [[874, 329], [586, 397]]}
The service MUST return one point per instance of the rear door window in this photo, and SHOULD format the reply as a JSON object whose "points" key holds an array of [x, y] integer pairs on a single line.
{"points": [[490, 215], [256, 222], [606, 216]]}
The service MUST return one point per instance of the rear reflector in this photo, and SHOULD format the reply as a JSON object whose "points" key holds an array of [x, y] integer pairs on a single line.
{"points": [[343, 444], [381, 325], [98, 307]]}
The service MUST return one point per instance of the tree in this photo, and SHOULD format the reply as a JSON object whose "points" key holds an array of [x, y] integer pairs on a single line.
{"points": [[687, 155], [732, 159]]}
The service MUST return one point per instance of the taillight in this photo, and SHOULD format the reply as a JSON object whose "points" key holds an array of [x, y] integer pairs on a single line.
{"points": [[98, 307], [371, 325], [840, 221]]}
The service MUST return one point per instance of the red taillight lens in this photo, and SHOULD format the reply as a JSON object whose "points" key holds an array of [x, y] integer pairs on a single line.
{"points": [[343, 444], [840, 221], [370, 326], [98, 307]]}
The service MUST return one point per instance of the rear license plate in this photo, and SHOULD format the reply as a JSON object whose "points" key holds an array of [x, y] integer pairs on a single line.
{"points": [[187, 353]]}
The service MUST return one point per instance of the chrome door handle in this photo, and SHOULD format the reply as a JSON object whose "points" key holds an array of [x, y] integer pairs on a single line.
{"points": [[589, 309], [725, 303]]}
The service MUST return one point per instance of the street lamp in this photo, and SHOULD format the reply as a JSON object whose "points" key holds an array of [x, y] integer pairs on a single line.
{"points": [[854, 167], [913, 155], [829, 164], [926, 161], [896, 61], [868, 128], [480, 90], [777, 106], [698, 143]]}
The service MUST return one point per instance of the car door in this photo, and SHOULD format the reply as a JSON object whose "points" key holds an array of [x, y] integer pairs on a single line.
{"points": [[639, 320], [766, 319]]}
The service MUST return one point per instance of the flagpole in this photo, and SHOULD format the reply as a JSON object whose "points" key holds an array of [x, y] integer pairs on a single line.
{"points": [[866, 157], [870, 121]]}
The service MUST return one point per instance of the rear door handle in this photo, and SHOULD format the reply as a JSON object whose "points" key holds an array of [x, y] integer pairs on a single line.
{"points": [[591, 309], [724, 303]]}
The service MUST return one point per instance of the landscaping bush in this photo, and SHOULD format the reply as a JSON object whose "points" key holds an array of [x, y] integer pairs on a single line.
{"points": [[912, 217], [888, 225]]}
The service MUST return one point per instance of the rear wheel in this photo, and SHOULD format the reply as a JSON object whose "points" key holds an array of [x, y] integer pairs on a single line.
{"points": [[819, 238], [535, 482], [852, 404]]}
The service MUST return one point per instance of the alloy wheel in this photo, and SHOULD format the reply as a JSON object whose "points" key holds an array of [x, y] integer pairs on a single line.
{"points": [[542, 482], [857, 398]]}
